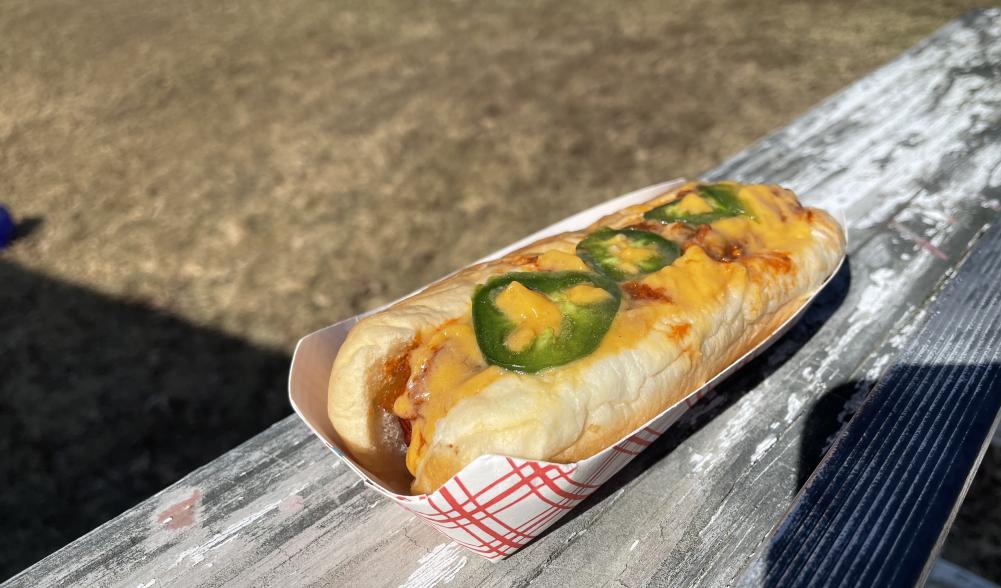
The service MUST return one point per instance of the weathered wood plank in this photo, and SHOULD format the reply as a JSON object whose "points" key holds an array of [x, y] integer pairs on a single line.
{"points": [[873, 512], [909, 153]]}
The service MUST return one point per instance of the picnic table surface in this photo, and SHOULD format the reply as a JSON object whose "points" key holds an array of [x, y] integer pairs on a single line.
{"points": [[910, 155]]}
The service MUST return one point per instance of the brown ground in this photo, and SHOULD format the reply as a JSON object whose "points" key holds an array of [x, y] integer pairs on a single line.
{"points": [[212, 180]]}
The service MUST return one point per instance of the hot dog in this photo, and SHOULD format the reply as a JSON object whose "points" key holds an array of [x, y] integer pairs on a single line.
{"points": [[556, 351]]}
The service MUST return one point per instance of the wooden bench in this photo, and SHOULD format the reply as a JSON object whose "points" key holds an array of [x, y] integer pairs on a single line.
{"points": [[912, 156]]}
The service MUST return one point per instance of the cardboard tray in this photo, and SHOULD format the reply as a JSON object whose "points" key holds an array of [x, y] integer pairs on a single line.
{"points": [[497, 504]]}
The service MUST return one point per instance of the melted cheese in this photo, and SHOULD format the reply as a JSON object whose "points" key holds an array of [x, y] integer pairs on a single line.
{"points": [[692, 280], [628, 255], [444, 393], [692, 204], [778, 223], [404, 407], [636, 254], [583, 295], [531, 312], [559, 261], [447, 366]]}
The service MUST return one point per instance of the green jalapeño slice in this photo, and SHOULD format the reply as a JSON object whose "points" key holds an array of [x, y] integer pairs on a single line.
{"points": [[709, 202], [624, 254], [529, 321]]}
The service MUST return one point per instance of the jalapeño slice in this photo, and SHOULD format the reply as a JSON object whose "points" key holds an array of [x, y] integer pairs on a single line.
{"points": [[715, 202], [624, 254], [529, 321]]}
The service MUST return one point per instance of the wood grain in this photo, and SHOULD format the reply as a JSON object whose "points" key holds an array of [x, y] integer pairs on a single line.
{"points": [[875, 510], [909, 154]]}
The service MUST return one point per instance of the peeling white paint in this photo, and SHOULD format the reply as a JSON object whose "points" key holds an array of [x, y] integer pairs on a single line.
{"points": [[733, 433], [879, 291], [884, 287], [440, 566], [763, 447], [575, 534], [698, 461], [794, 404], [905, 333], [736, 426], [196, 554], [878, 367]]}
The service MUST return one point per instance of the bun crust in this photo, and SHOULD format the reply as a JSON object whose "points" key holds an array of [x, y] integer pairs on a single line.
{"points": [[712, 311]]}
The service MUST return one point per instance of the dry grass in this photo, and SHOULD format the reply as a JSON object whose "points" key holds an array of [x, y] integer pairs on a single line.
{"points": [[266, 168]]}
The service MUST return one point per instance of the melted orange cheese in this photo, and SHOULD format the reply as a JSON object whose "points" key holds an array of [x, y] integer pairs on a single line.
{"points": [[692, 280], [445, 393], [584, 294], [693, 204], [628, 255], [448, 366], [532, 313], [558, 261]]}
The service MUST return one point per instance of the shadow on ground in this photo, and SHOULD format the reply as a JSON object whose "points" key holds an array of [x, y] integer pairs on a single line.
{"points": [[104, 402]]}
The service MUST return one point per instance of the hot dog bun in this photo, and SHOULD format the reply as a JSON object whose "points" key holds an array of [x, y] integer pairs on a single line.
{"points": [[738, 279]]}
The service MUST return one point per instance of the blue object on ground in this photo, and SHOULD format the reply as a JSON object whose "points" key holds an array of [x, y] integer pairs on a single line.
{"points": [[6, 227]]}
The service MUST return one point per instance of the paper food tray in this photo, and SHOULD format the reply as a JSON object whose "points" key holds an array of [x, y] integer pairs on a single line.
{"points": [[497, 504]]}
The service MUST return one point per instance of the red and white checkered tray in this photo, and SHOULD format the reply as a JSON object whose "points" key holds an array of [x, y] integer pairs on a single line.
{"points": [[496, 504]]}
